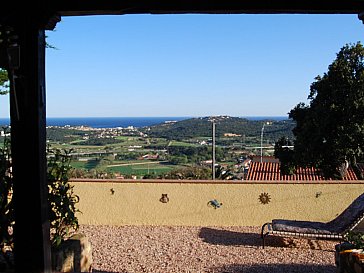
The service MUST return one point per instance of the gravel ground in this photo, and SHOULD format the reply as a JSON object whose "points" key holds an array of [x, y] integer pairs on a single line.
{"points": [[162, 249]]}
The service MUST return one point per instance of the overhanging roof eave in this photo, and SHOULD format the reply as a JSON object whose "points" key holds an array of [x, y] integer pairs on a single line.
{"points": [[49, 12], [113, 7]]}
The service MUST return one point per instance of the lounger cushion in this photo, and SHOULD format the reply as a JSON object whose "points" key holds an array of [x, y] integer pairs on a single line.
{"points": [[349, 216], [301, 226], [339, 225]]}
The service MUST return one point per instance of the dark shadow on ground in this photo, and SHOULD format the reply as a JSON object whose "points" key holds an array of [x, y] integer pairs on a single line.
{"points": [[275, 268], [233, 238]]}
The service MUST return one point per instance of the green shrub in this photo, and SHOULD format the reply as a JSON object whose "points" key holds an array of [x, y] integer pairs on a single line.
{"points": [[356, 239], [6, 203], [62, 200]]}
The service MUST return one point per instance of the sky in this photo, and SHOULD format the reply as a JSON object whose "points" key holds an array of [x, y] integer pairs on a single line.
{"points": [[188, 65]]}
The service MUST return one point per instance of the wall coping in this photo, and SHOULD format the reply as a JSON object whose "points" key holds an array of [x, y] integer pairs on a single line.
{"points": [[216, 182]]}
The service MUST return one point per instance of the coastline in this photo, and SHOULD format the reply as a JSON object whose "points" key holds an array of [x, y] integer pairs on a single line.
{"points": [[113, 122]]}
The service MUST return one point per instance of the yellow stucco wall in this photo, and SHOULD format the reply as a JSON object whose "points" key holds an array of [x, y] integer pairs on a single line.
{"points": [[138, 202]]}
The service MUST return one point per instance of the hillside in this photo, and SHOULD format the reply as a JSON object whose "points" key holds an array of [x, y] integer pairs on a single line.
{"points": [[201, 127]]}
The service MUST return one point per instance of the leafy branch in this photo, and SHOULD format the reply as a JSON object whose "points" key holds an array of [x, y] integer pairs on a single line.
{"points": [[356, 239]]}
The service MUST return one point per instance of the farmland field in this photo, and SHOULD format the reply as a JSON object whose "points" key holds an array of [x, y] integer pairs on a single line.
{"points": [[143, 168], [88, 165], [181, 144]]}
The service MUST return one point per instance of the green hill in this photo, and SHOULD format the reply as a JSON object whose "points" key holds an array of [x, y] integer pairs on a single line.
{"points": [[202, 127]]}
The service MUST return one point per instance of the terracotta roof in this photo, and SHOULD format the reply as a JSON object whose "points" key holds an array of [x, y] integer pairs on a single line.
{"points": [[271, 171]]}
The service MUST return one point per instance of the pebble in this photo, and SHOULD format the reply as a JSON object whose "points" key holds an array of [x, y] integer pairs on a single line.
{"points": [[166, 249]]}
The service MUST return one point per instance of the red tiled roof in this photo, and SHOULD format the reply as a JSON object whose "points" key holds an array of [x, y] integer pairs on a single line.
{"points": [[271, 171]]}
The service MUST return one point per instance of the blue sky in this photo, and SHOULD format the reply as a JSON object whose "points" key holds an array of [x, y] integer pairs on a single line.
{"points": [[189, 65]]}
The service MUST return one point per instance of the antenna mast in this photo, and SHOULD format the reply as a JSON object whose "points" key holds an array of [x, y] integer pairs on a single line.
{"points": [[213, 149]]}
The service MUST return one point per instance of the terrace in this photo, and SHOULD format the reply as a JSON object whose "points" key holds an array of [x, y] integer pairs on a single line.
{"points": [[132, 230], [28, 112], [203, 249]]}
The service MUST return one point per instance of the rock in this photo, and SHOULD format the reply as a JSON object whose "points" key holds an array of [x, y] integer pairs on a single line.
{"points": [[349, 260], [74, 255]]}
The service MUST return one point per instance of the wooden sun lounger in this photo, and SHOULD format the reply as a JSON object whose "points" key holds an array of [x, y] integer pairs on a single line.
{"points": [[351, 218]]}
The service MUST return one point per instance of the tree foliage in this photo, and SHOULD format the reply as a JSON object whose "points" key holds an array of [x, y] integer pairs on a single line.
{"points": [[330, 129], [4, 82], [189, 173], [192, 154], [6, 204], [285, 156]]}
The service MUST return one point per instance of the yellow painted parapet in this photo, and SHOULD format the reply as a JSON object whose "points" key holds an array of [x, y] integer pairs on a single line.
{"points": [[207, 203]]}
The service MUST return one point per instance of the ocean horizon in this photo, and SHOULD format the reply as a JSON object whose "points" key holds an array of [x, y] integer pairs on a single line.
{"points": [[113, 122]]}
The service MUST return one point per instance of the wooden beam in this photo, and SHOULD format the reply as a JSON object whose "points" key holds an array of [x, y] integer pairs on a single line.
{"points": [[28, 131], [48, 13], [94, 7]]}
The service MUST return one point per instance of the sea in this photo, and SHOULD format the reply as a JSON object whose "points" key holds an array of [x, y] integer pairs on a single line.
{"points": [[113, 122]]}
